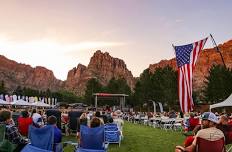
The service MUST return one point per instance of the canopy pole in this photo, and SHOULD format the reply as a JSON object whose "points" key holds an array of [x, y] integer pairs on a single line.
{"points": [[96, 102]]}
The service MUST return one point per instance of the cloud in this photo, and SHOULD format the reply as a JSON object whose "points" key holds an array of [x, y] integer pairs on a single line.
{"points": [[179, 20], [92, 45]]}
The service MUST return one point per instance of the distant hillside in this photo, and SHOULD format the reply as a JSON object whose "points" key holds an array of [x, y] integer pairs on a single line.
{"points": [[102, 66], [15, 74]]}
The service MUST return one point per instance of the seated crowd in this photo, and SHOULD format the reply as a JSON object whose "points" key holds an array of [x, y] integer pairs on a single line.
{"points": [[18, 134], [195, 126]]}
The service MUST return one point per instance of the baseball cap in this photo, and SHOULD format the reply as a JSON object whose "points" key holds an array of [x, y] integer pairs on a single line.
{"points": [[37, 119], [209, 116]]}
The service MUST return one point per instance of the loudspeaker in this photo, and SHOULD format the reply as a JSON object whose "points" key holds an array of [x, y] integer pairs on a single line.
{"points": [[73, 118]]}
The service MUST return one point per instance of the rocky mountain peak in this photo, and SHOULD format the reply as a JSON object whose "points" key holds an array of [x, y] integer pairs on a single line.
{"points": [[101, 66]]}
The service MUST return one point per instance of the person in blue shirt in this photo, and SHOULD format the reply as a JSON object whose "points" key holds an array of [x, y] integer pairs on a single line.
{"points": [[57, 132]]}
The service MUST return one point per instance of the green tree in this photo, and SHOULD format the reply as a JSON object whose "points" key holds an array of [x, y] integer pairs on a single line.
{"points": [[164, 81], [18, 91], [160, 86], [2, 88], [143, 89], [48, 93], [92, 86], [30, 92], [66, 96], [118, 86], [218, 84]]}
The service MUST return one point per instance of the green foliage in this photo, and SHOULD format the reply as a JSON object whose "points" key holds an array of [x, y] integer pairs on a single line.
{"points": [[27, 92], [165, 86], [143, 87], [92, 86], [118, 86], [66, 96], [2, 88], [160, 86], [218, 84], [19, 91]]}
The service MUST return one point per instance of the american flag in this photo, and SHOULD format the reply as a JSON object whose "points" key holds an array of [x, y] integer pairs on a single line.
{"points": [[186, 57]]}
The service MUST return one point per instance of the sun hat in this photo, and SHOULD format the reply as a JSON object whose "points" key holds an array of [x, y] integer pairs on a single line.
{"points": [[209, 116]]}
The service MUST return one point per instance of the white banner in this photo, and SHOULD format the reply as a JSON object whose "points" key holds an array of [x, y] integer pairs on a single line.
{"points": [[154, 105], [161, 107]]}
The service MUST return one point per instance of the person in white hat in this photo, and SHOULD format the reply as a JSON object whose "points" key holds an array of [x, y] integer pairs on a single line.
{"points": [[209, 131], [37, 120]]}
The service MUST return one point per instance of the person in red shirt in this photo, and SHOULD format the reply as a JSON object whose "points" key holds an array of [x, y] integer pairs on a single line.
{"points": [[24, 122], [193, 122]]}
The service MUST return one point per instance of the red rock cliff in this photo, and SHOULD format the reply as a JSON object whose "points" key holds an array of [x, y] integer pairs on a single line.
{"points": [[103, 67], [15, 74]]}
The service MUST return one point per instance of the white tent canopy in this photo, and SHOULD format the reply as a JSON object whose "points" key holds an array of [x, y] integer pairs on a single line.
{"points": [[21, 102], [40, 104], [2, 102], [225, 103]]}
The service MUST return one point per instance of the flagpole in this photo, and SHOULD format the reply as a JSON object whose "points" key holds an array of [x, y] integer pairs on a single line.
{"points": [[173, 46], [217, 49], [174, 49]]}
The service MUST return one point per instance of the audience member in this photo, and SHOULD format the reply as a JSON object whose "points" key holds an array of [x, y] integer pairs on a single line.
{"points": [[226, 128], [98, 115], [37, 120], [12, 133], [210, 132], [193, 121], [24, 122], [81, 121], [95, 122], [33, 111], [57, 132], [172, 114]]}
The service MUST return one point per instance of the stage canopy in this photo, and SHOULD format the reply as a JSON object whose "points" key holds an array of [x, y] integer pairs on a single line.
{"points": [[122, 98]]}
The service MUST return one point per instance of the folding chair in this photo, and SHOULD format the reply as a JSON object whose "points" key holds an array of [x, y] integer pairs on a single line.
{"points": [[2, 134], [92, 139], [204, 145], [5, 145], [157, 122], [168, 123], [112, 134], [228, 136], [41, 139]]}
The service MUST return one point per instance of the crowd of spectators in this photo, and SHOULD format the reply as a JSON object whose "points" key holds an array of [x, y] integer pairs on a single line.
{"points": [[18, 133]]}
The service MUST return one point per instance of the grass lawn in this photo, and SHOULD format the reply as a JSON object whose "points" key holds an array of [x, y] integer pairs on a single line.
{"points": [[140, 138]]}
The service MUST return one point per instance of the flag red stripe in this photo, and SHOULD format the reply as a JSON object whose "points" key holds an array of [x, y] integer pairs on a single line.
{"points": [[194, 53], [185, 74]]}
